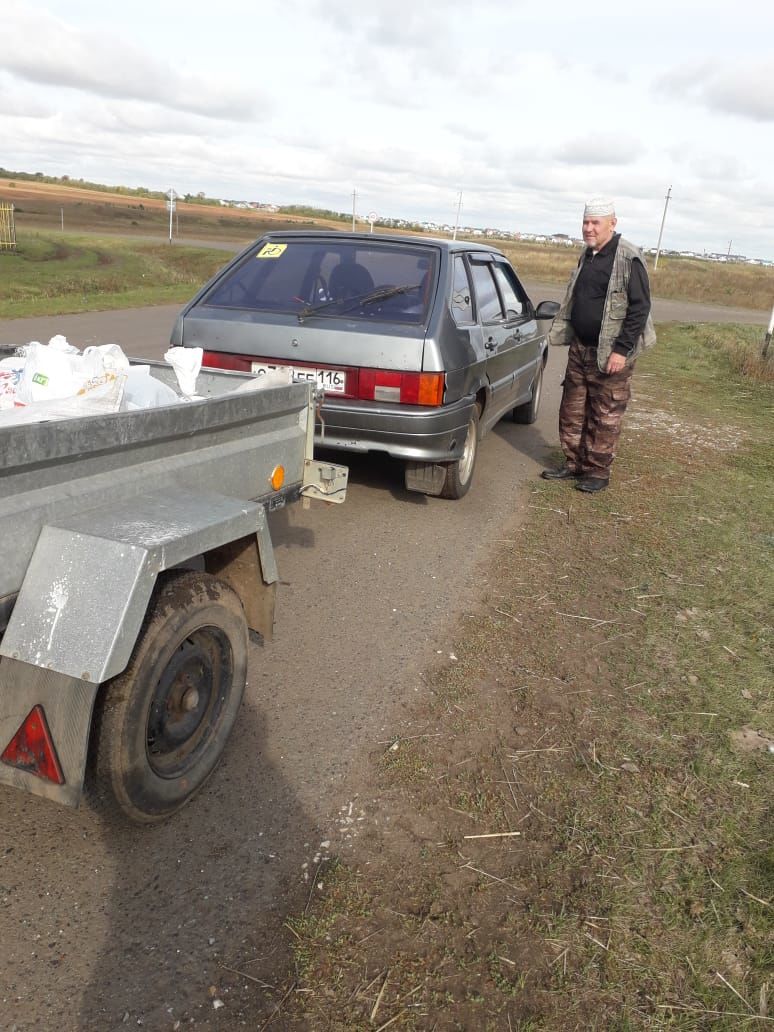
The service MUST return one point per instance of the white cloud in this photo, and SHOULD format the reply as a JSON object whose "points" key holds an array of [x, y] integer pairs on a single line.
{"points": [[744, 88], [599, 149], [46, 51]]}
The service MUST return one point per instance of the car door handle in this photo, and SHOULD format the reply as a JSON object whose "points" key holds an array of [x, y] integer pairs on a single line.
{"points": [[491, 344]]}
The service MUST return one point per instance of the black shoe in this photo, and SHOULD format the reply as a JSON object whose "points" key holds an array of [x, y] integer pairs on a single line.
{"points": [[565, 473], [591, 484]]}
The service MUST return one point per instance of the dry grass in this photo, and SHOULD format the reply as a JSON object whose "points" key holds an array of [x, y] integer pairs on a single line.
{"points": [[612, 702], [690, 279]]}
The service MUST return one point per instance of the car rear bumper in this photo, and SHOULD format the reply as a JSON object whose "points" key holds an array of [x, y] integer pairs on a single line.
{"points": [[402, 431]]}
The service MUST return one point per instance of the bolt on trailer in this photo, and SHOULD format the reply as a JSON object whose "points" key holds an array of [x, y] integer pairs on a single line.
{"points": [[135, 558]]}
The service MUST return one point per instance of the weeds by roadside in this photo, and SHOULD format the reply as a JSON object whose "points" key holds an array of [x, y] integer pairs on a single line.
{"points": [[581, 837], [55, 274]]}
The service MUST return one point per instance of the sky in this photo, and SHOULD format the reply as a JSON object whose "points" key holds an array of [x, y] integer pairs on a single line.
{"points": [[525, 109]]}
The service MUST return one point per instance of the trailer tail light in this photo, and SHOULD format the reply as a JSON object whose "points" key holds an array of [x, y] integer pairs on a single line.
{"points": [[32, 749], [403, 388]]}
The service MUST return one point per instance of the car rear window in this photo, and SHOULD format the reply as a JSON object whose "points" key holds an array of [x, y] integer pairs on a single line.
{"points": [[323, 278]]}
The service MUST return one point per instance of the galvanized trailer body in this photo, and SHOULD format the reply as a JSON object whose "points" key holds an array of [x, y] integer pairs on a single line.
{"points": [[94, 510]]}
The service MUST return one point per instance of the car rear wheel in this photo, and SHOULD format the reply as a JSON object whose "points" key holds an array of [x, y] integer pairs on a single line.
{"points": [[528, 412], [163, 723], [459, 474]]}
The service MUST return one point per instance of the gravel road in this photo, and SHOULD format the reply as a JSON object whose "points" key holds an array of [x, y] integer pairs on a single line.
{"points": [[108, 927]]}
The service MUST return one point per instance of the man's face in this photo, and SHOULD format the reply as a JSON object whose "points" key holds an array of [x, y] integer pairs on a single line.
{"points": [[597, 230]]}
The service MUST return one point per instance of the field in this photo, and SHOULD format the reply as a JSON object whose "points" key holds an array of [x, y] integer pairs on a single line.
{"points": [[46, 207], [578, 833], [126, 224]]}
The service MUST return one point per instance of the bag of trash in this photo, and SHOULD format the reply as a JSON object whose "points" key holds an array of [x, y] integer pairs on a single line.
{"points": [[10, 375], [186, 362], [144, 391]]}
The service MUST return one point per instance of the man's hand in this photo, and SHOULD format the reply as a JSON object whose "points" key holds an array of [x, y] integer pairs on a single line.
{"points": [[615, 363]]}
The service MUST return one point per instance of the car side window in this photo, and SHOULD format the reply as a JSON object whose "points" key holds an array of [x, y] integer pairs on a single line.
{"points": [[462, 298], [514, 306], [515, 296], [487, 297]]}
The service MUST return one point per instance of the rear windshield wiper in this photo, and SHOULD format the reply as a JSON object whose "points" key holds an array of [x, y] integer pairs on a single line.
{"points": [[313, 309], [368, 298], [382, 293]]}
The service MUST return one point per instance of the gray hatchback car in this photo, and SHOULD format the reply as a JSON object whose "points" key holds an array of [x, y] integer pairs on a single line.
{"points": [[420, 345]]}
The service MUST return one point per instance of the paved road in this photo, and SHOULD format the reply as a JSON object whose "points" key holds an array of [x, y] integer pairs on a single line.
{"points": [[108, 927], [144, 332]]}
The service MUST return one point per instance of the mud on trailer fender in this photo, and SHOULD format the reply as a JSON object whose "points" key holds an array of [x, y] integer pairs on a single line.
{"points": [[81, 608]]}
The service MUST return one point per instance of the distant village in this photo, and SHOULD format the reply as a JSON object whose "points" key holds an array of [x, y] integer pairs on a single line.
{"points": [[501, 234]]}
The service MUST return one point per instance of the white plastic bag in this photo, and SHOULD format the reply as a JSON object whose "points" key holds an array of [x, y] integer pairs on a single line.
{"points": [[282, 376], [144, 391], [48, 373], [186, 362], [11, 370], [57, 382]]}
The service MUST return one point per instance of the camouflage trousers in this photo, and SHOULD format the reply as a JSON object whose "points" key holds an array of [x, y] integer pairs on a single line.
{"points": [[591, 411]]}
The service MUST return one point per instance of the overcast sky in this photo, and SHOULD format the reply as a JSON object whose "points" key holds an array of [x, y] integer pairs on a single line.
{"points": [[527, 108]]}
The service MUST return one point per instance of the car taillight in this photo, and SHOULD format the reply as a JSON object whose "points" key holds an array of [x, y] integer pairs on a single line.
{"points": [[404, 388], [220, 360], [32, 748], [365, 384]]}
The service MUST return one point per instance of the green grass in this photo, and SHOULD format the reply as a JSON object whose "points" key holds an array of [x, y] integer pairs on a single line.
{"points": [[53, 274], [601, 719]]}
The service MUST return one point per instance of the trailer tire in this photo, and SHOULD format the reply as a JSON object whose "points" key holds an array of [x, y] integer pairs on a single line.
{"points": [[163, 723]]}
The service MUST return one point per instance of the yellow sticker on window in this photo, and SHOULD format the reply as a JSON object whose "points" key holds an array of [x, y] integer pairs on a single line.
{"points": [[271, 250]]}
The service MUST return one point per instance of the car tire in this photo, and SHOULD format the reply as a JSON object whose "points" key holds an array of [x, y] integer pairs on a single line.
{"points": [[528, 412], [163, 723], [459, 474]]}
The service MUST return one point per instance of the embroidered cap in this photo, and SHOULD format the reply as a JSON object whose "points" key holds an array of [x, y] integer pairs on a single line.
{"points": [[598, 206]]}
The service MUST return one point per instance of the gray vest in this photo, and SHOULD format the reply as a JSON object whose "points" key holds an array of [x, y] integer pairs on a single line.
{"points": [[616, 305]]}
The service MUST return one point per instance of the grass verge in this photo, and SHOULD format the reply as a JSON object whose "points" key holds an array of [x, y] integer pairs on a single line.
{"points": [[55, 274], [580, 837]]}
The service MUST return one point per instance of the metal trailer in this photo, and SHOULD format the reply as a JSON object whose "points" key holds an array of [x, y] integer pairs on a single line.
{"points": [[135, 557]]}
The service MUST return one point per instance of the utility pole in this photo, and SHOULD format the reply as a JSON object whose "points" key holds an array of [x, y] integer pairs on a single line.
{"points": [[457, 220], [354, 199], [171, 196], [728, 252], [61, 215], [661, 231]]}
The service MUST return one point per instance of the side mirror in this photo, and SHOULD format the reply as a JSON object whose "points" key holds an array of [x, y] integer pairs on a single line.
{"points": [[547, 309]]}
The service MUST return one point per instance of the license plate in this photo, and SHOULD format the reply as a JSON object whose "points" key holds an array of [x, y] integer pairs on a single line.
{"points": [[333, 380]]}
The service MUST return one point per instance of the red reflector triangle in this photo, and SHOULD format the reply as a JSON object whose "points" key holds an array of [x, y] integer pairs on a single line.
{"points": [[32, 748]]}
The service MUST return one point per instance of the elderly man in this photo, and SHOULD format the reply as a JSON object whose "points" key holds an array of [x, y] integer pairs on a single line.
{"points": [[605, 319]]}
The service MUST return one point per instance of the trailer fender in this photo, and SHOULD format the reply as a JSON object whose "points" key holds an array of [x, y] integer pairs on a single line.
{"points": [[248, 566], [87, 587]]}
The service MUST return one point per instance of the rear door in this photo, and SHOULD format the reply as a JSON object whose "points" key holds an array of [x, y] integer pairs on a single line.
{"points": [[524, 332], [500, 342]]}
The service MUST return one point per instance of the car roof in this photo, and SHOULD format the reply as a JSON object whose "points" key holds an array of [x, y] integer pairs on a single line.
{"points": [[400, 238]]}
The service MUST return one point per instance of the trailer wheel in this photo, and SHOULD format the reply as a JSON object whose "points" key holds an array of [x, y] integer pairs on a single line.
{"points": [[163, 723]]}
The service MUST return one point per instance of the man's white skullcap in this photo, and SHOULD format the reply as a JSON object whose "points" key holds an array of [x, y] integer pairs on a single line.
{"points": [[598, 206]]}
